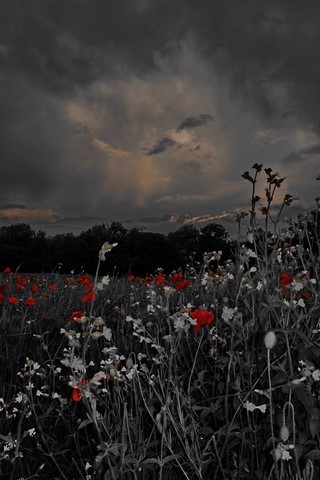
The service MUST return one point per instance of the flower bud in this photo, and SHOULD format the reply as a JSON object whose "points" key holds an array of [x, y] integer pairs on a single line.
{"points": [[284, 433], [270, 340]]}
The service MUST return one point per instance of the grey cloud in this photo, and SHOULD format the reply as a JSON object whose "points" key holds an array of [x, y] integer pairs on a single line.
{"points": [[299, 156], [263, 50], [196, 121], [9, 206], [161, 146]]}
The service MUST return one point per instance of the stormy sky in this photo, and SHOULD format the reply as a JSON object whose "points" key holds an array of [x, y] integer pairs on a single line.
{"points": [[126, 109]]}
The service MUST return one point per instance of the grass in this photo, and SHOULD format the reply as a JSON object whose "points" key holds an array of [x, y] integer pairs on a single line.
{"points": [[217, 377]]}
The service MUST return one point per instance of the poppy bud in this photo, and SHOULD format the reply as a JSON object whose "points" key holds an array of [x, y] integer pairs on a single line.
{"points": [[270, 340]]}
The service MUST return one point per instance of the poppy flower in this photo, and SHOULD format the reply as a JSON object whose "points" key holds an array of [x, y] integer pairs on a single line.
{"points": [[131, 278], [4, 287], [1, 298], [34, 287], [7, 270], [177, 277], [182, 284], [90, 297], [13, 300], [305, 294], [52, 287], [76, 394], [203, 317], [76, 315], [285, 279], [30, 302], [160, 279]]}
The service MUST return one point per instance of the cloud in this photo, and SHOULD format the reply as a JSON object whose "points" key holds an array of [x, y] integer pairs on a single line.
{"points": [[179, 137], [25, 214], [161, 146], [182, 199], [197, 121], [109, 150], [267, 137], [312, 152]]}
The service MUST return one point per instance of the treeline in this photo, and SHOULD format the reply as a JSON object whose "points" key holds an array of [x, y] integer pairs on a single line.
{"points": [[138, 252]]}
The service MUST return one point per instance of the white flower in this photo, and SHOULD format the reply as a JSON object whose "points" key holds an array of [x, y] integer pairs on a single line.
{"points": [[106, 279], [228, 313], [301, 303], [107, 333], [251, 407], [296, 286], [259, 286], [106, 247]]}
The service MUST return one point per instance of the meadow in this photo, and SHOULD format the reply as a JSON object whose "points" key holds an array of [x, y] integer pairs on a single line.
{"points": [[207, 373]]}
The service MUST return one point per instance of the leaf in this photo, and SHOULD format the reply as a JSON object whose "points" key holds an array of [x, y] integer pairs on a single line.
{"points": [[314, 454], [314, 426], [151, 460], [304, 396], [84, 423], [169, 458]]}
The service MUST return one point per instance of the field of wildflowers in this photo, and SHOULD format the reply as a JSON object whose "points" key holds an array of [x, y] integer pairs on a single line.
{"points": [[209, 373]]}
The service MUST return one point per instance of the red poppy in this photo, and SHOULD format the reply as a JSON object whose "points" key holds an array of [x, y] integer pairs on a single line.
{"points": [[4, 287], [1, 298], [30, 302], [131, 278], [7, 270], [90, 297], [177, 277], [75, 315], [182, 284], [34, 287], [305, 294], [146, 280], [13, 300], [203, 317], [76, 394], [285, 279], [20, 286], [160, 279], [52, 287]]}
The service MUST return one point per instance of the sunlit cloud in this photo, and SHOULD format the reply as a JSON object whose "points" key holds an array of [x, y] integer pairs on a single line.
{"points": [[267, 137], [25, 214], [181, 199]]}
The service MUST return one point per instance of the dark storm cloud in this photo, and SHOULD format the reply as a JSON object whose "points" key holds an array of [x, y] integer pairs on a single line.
{"points": [[161, 146], [9, 206], [301, 155], [257, 47], [32, 139], [197, 121]]}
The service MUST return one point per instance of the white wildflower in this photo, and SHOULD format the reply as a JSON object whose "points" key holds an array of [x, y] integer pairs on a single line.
{"points": [[251, 407], [228, 313], [259, 286]]}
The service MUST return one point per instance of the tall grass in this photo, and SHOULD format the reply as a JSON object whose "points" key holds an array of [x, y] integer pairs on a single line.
{"points": [[212, 374]]}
